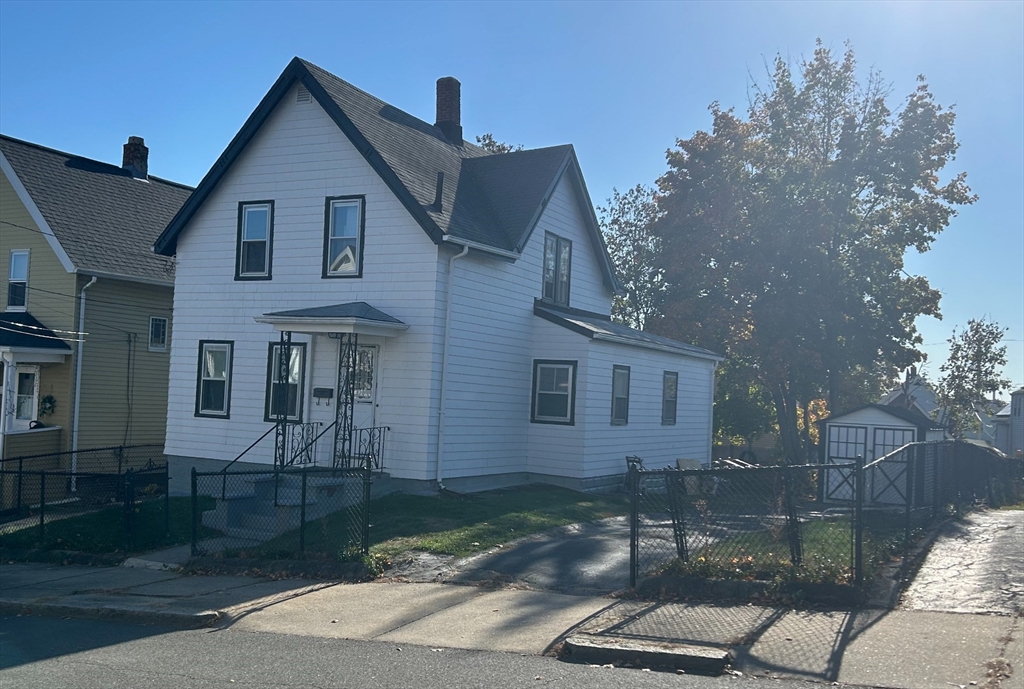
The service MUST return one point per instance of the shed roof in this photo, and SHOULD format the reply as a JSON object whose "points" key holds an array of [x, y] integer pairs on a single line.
{"points": [[911, 416], [21, 330]]}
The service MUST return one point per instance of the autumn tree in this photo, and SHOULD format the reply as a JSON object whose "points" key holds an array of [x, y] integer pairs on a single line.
{"points": [[626, 223], [783, 233], [971, 373], [489, 144]]}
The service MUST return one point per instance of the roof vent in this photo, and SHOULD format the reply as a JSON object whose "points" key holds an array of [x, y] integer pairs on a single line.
{"points": [[302, 95], [449, 109]]}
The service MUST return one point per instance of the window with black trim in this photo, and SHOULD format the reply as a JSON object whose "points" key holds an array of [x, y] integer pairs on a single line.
{"points": [[284, 393], [254, 254], [557, 269], [620, 395], [213, 379], [343, 237], [669, 396], [157, 334], [554, 392], [17, 280]]}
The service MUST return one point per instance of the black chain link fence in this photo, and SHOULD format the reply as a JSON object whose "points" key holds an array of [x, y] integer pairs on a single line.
{"points": [[823, 523], [308, 512], [85, 511]]}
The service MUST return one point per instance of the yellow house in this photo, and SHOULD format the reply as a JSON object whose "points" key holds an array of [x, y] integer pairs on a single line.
{"points": [[85, 306]]}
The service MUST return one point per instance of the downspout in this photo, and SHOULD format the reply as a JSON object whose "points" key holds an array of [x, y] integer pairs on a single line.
{"points": [[78, 378], [444, 360]]}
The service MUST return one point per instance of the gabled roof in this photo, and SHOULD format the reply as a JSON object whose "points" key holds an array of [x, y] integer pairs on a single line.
{"points": [[21, 330], [600, 327], [911, 416], [493, 200], [103, 220]]}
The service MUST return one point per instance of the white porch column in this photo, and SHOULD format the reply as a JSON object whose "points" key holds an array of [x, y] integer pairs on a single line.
{"points": [[7, 396]]}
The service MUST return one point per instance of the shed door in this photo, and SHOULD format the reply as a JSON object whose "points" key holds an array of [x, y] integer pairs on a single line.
{"points": [[887, 481], [845, 444]]}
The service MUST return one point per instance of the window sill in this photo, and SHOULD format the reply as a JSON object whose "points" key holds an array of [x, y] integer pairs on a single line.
{"points": [[26, 431]]}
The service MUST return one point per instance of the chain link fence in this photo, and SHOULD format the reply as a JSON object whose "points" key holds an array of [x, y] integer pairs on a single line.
{"points": [[85, 511], [826, 523], [307, 512]]}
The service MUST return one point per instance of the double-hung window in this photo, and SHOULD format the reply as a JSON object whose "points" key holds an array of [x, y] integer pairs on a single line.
{"points": [[255, 251], [17, 280], [26, 394], [157, 334], [669, 395], [284, 387], [213, 384], [343, 237], [620, 395], [554, 392], [557, 269]]}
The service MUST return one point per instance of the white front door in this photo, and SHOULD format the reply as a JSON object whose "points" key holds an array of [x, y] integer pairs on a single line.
{"points": [[365, 386]]}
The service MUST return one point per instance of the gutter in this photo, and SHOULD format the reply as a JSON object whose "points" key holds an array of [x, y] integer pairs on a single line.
{"points": [[78, 379], [444, 361], [467, 244]]}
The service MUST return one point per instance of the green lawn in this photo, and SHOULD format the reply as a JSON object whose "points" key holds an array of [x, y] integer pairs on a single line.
{"points": [[451, 524], [764, 554], [103, 531]]}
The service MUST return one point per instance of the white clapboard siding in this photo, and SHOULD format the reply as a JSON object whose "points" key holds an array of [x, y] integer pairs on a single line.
{"points": [[644, 435], [487, 408], [298, 158]]}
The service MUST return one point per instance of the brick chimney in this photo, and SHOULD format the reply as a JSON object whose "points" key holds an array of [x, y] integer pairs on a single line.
{"points": [[136, 157], [449, 109]]}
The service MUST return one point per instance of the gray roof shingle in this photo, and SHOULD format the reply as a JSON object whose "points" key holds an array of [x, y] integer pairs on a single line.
{"points": [[490, 199], [104, 219]]}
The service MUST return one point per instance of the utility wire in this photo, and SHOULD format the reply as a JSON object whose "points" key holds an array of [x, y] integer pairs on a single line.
{"points": [[45, 337]]}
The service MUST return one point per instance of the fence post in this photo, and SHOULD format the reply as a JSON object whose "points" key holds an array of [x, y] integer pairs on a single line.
{"points": [[20, 474], [908, 499], [42, 506], [858, 520], [195, 513], [128, 503], [367, 485], [633, 481], [167, 502], [302, 515]]}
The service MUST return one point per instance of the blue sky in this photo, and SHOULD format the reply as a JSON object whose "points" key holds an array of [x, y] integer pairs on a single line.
{"points": [[620, 81]]}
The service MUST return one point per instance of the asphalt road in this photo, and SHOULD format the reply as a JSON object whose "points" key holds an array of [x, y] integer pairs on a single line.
{"points": [[86, 654]]}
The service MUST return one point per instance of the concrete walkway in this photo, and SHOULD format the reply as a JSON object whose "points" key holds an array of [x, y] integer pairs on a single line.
{"points": [[911, 649]]}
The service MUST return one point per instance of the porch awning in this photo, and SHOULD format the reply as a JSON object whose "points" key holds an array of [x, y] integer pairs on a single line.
{"points": [[21, 333], [354, 317]]}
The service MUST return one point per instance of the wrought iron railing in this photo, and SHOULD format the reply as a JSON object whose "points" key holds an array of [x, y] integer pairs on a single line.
{"points": [[366, 449]]}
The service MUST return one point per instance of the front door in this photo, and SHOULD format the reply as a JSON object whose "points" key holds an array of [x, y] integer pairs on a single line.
{"points": [[365, 386]]}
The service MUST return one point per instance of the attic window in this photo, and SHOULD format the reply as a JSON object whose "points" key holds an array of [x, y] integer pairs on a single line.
{"points": [[302, 95]]}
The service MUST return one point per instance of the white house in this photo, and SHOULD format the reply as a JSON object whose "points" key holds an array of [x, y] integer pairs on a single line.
{"points": [[457, 299]]}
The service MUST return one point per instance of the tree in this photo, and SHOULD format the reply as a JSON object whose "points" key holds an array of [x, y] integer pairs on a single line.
{"points": [[783, 234], [626, 225], [488, 143], [971, 373]]}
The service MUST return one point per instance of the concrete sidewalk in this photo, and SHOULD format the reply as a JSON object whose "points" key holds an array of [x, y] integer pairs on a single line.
{"points": [[907, 649]]}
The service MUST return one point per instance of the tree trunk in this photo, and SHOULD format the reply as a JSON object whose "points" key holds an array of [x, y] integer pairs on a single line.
{"points": [[785, 415]]}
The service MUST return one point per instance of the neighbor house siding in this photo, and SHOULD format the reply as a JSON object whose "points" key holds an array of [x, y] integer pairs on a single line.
{"points": [[488, 381], [51, 300], [297, 159], [124, 385]]}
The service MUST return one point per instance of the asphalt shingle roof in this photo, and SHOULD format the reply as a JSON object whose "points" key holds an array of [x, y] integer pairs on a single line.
{"points": [[104, 219], [354, 309], [909, 415], [599, 327], [20, 329], [490, 199]]}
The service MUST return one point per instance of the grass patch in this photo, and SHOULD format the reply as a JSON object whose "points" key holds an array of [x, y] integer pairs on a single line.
{"points": [[764, 555], [449, 524], [103, 531]]}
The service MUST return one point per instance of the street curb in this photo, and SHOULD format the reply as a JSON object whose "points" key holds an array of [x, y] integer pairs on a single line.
{"points": [[604, 650], [184, 620]]}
